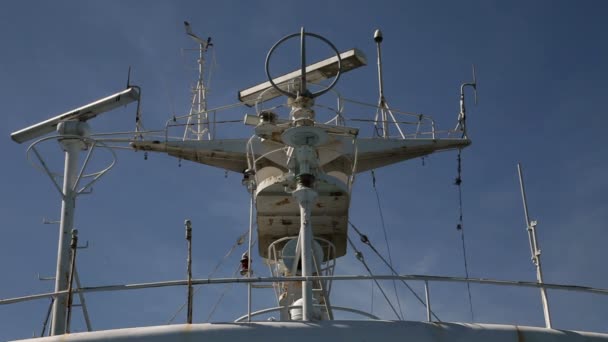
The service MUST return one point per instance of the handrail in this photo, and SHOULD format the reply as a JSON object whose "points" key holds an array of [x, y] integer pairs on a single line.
{"points": [[424, 124], [209, 281], [333, 307]]}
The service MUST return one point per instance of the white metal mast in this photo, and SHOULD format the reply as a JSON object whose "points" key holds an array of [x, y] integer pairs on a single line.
{"points": [[383, 111], [198, 126], [71, 146], [73, 133], [303, 160]]}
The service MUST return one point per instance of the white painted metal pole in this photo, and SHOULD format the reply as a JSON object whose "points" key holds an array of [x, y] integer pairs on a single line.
{"points": [[306, 197], [199, 89], [534, 249], [381, 101], [188, 225], [306, 259], [72, 149], [380, 78], [250, 243], [427, 295]]}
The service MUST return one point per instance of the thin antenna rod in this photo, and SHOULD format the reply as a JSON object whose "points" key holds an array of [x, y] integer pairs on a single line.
{"points": [[303, 90], [383, 111], [534, 249], [188, 224], [382, 100], [462, 116], [378, 39]]}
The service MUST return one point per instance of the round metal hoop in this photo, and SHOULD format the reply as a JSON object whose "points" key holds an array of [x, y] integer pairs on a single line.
{"points": [[93, 144], [294, 95]]}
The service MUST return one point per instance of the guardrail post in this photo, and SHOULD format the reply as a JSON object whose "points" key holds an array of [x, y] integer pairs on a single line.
{"points": [[427, 295], [188, 225]]}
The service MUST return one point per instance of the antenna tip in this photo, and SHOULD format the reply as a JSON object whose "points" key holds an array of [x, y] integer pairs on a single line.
{"points": [[188, 223], [378, 36]]}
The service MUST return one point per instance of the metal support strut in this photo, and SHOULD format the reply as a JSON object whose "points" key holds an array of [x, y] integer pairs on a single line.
{"points": [[73, 248], [72, 146]]}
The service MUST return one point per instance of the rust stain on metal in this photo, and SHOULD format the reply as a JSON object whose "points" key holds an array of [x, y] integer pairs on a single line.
{"points": [[282, 202], [320, 205], [270, 221], [520, 335], [286, 222]]}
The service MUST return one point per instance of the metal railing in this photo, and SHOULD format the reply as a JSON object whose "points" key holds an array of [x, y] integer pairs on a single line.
{"points": [[209, 281], [413, 125]]}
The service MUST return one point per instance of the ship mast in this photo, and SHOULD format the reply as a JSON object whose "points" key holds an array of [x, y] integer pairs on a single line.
{"points": [[73, 137], [300, 172], [198, 127]]}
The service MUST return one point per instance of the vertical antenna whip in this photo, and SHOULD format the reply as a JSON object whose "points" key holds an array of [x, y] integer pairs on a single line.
{"points": [[188, 225], [381, 99], [383, 111], [462, 115], [534, 249]]}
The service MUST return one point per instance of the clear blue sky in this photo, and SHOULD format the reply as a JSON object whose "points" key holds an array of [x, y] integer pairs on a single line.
{"points": [[542, 88]]}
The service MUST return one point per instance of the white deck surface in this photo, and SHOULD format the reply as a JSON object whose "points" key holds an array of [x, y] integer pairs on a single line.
{"points": [[351, 331]]}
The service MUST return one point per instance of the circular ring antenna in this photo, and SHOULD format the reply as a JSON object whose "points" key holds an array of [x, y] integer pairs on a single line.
{"points": [[303, 91]]}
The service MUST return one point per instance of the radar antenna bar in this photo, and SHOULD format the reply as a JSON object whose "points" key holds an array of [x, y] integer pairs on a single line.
{"points": [[83, 113]]}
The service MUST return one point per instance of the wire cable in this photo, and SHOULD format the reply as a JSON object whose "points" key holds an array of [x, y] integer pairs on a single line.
{"points": [[366, 241], [239, 241], [360, 257], [46, 319], [219, 300], [460, 227], [388, 247]]}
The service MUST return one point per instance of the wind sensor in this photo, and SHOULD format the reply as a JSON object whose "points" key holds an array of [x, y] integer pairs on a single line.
{"points": [[198, 119], [205, 44]]}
